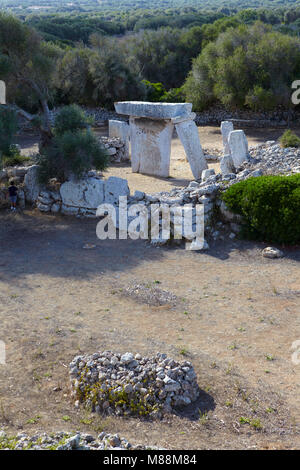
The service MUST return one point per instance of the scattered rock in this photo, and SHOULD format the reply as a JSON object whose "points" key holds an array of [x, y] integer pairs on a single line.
{"points": [[271, 252]]}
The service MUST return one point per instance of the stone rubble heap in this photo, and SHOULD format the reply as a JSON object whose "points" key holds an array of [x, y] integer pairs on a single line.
{"points": [[268, 158], [127, 384], [67, 441], [116, 149], [271, 158]]}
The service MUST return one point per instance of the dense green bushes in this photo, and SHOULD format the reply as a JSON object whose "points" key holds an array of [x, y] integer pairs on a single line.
{"points": [[8, 127], [9, 153], [73, 151], [71, 118], [270, 207], [244, 67], [240, 62], [156, 92]]}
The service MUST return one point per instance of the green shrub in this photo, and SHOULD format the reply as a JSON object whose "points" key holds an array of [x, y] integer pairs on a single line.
{"points": [[154, 91], [8, 127], [289, 139], [72, 153], [71, 118], [270, 207], [174, 95], [260, 99], [14, 157]]}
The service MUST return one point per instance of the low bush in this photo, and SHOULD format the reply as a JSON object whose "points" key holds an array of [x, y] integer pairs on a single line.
{"points": [[71, 154], [8, 127], [74, 149], [269, 206], [289, 139], [71, 118], [14, 157]]}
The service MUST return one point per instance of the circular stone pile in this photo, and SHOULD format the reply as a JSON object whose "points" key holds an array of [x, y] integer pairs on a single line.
{"points": [[112, 383], [67, 441]]}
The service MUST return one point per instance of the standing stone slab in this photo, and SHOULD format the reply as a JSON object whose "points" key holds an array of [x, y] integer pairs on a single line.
{"points": [[121, 130], [188, 134], [238, 146], [2, 92], [87, 193], [226, 128], [151, 146], [31, 185], [226, 165]]}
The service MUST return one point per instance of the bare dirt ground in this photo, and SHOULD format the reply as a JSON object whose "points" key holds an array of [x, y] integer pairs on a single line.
{"points": [[235, 317]]}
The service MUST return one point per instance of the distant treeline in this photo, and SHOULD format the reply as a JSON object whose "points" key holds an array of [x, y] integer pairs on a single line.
{"points": [[248, 59], [70, 28]]}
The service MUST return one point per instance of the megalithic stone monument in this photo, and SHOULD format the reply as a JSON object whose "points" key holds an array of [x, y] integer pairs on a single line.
{"points": [[151, 128], [226, 128], [2, 92]]}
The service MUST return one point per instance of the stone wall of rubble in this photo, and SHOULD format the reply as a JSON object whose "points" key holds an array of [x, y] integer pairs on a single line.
{"points": [[67, 441], [82, 198], [125, 385], [116, 149], [215, 115]]}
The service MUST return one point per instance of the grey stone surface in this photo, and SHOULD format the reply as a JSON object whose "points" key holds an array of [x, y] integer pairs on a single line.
{"points": [[238, 146], [62, 440], [121, 130], [114, 188], [153, 110], [207, 173], [188, 134], [31, 186], [151, 146], [226, 165], [2, 92], [226, 128], [87, 193], [271, 252]]}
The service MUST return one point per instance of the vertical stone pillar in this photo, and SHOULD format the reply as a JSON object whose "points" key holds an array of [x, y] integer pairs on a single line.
{"points": [[238, 146], [151, 146], [188, 134], [226, 128], [2, 92]]}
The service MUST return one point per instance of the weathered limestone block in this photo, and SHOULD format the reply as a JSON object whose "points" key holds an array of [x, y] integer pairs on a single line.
{"points": [[207, 173], [114, 188], [153, 110], [151, 146], [87, 193], [188, 134], [2, 92], [226, 128], [121, 130], [226, 165], [238, 146], [31, 185]]}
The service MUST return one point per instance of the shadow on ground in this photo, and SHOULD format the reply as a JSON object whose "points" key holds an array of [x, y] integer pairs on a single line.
{"points": [[31, 242], [199, 408]]}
